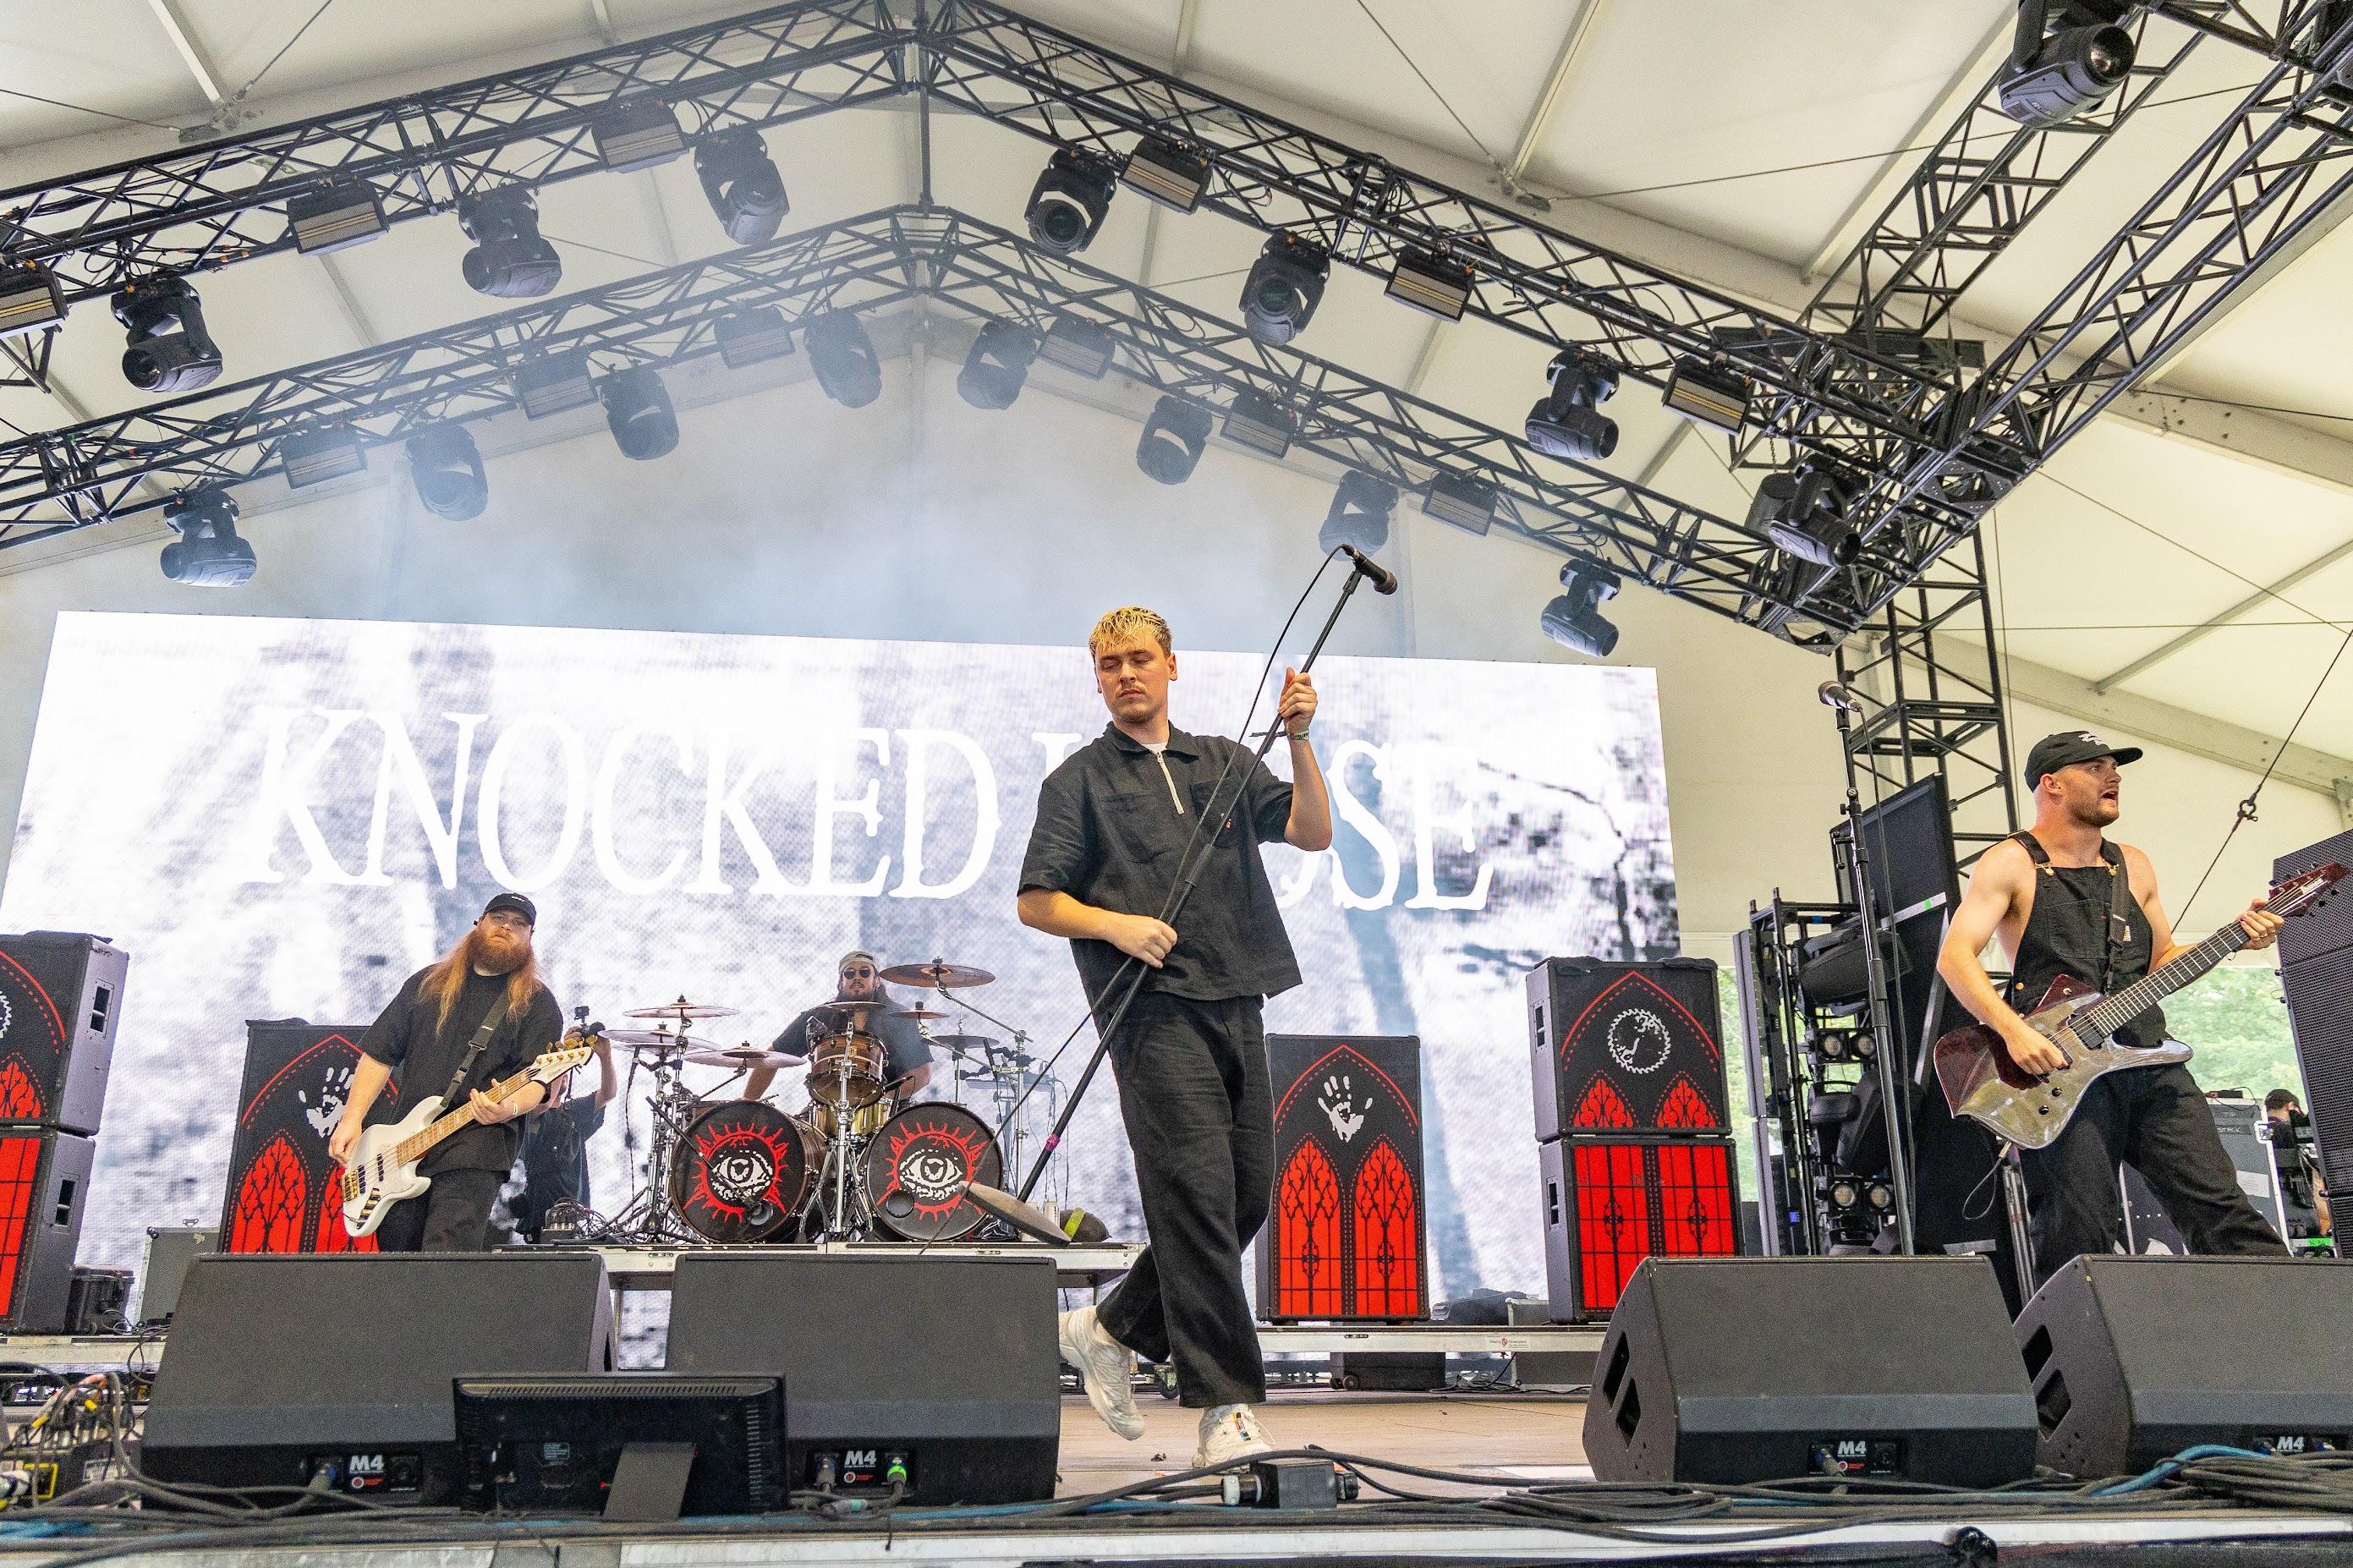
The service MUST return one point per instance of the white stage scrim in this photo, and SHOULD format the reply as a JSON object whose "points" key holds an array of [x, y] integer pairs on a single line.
{"points": [[283, 817]]}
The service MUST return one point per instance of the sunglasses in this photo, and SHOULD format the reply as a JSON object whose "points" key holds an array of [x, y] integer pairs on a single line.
{"points": [[861, 973]]}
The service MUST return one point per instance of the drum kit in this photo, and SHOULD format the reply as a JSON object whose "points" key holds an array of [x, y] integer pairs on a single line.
{"points": [[853, 1164]]}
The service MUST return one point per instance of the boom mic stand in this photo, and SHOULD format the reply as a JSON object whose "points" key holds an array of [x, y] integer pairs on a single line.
{"points": [[1183, 890]]}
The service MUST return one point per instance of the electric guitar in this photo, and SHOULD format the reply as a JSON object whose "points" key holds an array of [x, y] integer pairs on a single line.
{"points": [[1983, 1083], [383, 1171]]}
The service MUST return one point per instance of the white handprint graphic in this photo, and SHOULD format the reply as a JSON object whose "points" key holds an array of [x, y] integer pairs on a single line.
{"points": [[1344, 1115], [333, 1089]]}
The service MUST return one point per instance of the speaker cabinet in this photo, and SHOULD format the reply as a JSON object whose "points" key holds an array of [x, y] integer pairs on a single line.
{"points": [[60, 999], [2316, 951], [949, 1367], [1609, 1202], [281, 1180], [1346, 1239], [44, 1188], [282, 1369], [1626, 1047], [1761, 1369], [2134, 1358]]}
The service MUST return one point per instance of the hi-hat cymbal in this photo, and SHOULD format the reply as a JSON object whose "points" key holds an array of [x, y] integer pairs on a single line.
{"points": [[851, 1010], [681, 1010], [937, 975], [659, 1040], [746, 1056], [962, 1042], [926, 1014]]}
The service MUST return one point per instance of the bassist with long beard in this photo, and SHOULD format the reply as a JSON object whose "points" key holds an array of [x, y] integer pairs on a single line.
{"points": [[456, 1028], [2051, 895]]}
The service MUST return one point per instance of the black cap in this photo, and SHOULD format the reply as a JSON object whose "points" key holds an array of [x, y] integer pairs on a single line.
{"points": [[530, 912], [2069, 747]]}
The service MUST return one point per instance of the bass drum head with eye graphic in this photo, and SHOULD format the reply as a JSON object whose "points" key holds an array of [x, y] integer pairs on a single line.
{"points": [[742, 1170], [918, 1166]]}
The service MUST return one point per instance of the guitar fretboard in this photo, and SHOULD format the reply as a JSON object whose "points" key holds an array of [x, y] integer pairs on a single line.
{"points": [[2113, 1013], [417, 1144]]}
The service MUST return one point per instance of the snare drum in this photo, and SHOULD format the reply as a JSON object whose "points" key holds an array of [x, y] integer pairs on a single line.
{"points": [[742, 1170], [847, 1068], [917, 1168]]}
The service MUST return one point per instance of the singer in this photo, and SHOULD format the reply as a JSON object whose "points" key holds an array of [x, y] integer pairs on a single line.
{"points": [[1117, 822]]}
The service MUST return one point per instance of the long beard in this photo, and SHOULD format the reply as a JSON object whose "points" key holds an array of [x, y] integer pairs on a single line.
{"points": [[502, 959]]}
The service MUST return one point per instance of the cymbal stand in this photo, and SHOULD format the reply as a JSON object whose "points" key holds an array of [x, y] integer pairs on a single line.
{"points": [[837, 1227], [651, 1219]]}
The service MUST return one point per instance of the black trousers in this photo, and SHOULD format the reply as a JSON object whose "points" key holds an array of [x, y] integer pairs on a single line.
{"points": [[2156, 1120], [1201, 1119], [453, 1215]]}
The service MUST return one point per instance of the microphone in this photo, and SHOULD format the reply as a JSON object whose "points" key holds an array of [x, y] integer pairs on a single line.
{"points": [[1383, 580], [1833, 695]]}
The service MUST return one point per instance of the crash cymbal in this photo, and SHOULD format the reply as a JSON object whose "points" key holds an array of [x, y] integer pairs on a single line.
{"points": [[745, 1056], [682, 1010], [660, 1040], [1028, 1220], [926, 1014], [936, 976]]}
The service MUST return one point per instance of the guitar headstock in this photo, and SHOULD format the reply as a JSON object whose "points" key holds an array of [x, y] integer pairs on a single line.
{"points": [[554, 1065], [2302, 894]]}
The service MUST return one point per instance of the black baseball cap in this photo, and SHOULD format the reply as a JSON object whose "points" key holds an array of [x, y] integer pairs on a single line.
{"points": [[2069, 747], [530, 912]]}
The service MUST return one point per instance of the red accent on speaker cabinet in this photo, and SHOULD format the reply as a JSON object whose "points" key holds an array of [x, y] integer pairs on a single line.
{"points": [[270, 1201], [1685, 1107], [1603, 1106], [1308, 1209], [20, 1096], [20, 1169], [1346, 1241], [1386, 1212], [1628, 1199]]}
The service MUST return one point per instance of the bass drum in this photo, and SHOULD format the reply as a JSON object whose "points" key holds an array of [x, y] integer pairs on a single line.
{"points": [[742, 1170], [918, 1166]]}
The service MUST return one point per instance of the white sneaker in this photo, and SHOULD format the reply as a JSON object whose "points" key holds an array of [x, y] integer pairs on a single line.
{"points": [[1229, 1433], [1106, 1367]]}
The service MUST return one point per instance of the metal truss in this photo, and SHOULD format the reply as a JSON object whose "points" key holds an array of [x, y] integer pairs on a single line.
{"points": [[203, 207], [59, 480]]}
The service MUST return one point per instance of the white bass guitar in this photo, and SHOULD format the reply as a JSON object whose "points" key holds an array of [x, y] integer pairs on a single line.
{"points": [[383, 1171]]}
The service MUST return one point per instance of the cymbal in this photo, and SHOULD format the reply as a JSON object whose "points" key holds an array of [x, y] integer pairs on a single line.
{"points": [[682, 1010], [659, 1040], [924, 1013], [743, 1057], [962, 1042], [936, 976], [852, 1010]]}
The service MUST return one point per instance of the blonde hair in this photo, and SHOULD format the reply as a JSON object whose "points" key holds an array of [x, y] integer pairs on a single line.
{"points": [[1127, 621]]}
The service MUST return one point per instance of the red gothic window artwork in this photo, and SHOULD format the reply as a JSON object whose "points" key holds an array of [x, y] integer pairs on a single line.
{"points": [[1602, 1107], [270, 1200], [1613, 1220], [1307, 1276], [1388, 1265], [1695, 1200], [20, 1096], [333, 1236], [20, 1168], [1685, 1107]]}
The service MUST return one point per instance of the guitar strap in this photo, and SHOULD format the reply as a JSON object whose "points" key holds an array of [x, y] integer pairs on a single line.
{"points": [[491, 1022], [2119, 901]]}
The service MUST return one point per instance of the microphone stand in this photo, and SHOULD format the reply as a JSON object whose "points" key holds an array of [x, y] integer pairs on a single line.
{"points": [[1184, 891]]}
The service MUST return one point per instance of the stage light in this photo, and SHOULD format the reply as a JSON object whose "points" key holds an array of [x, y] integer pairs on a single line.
{"points": [[1880, 1196], [338, 214], [1461, 501], [1067, 203], [1080, 347], [996, 366], [741, 182], [844, 358], [208, 553], [170, 350], [1285, 286], [30, 299], [2053, 76], [1172, 440], [1803, 512], [639, 412], [748, 337], [637, 136], [552, 384], [1259, 421], [1844, 1195], [509, 261], [314, 456], [1436, 285], [1707, 394], [1359, 514], [1574, 620], [1567, 421], [1164, 172], [445, 467]]}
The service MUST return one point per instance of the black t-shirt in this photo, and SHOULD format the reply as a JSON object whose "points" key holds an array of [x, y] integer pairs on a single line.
{"points": [[1111, 829], [903, 1044], [555, 1158], [404, 1037]]}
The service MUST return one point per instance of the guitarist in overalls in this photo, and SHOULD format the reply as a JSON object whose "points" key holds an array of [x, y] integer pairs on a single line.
{"points": [[2065, 901]]}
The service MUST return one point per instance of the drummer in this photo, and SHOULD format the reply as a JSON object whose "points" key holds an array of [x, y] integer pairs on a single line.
{"points": [[859, 979]]}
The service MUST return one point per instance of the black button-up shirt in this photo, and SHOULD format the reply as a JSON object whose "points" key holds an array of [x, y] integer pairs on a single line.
{"points": [[1110, 831]]}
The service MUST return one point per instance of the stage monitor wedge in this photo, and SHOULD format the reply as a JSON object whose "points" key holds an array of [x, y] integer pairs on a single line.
{"points": [[1756, 1369], [280, 1368], [946, 1368], [2134, 1358]]}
